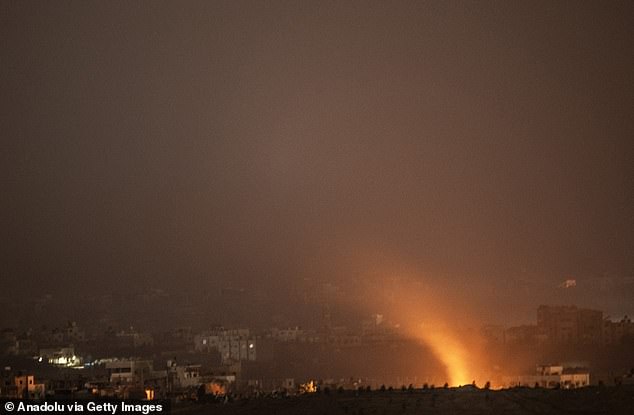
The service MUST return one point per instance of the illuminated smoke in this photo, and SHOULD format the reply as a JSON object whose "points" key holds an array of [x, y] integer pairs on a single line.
{"points": [[431, 315], [450, 351]]}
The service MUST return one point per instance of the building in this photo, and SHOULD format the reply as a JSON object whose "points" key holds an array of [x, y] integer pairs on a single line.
{"points": [[589, 326], [569, 324], [134, 338], [377, 330], [60, 356], [233, 345], [8, 342], [184, 376], [290, 334], [493, 334], [616, 332], [25, 387], [133, 371], [552, 376], [525, 334]]}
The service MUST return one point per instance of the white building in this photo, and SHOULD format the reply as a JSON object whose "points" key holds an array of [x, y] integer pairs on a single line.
{"points": [[233, 345], [129, 371], [552, 376], [60, 356]]}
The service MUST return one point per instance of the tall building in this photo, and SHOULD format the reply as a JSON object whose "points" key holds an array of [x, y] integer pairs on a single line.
{"points": [[615, 332], [569, 324], [590, 330]]}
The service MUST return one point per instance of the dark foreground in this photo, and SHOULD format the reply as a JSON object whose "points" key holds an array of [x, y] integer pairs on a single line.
{"points": [[591, 400]]}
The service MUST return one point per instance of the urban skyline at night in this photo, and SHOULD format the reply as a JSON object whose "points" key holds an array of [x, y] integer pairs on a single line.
{"points": [[421, 198]]}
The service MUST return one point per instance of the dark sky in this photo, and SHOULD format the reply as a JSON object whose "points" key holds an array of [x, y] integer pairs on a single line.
{"points": [[486, 145]]}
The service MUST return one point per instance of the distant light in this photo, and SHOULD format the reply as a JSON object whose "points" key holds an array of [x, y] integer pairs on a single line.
{"points": [[40, 359], [251, 346], [569, 283]]}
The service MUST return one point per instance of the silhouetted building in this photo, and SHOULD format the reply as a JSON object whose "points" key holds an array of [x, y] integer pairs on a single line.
{"points": [[569, 324], [493, 334], [525, 334], [616, 332]]}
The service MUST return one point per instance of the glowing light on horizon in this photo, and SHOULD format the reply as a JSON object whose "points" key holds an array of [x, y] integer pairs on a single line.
{"points": [[403, 295], [451, 352]]}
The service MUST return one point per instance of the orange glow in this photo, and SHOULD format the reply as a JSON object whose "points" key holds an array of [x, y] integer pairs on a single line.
{"points": [[215, 388], [436, 317], [435, 330], [149, 394], [308, 387], [450, 351]]}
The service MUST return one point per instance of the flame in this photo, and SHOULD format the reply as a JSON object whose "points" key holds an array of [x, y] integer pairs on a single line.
{"points": [[451, 352], [444, 341], [438, 332], [425, 310], [432, 318]]}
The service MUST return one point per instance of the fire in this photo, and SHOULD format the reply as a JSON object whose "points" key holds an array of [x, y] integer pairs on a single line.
{"points": [[432, 317], [308, 387], [451, 352], [425, 310], [439, 332]]}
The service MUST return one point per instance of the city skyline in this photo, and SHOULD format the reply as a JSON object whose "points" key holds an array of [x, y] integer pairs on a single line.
{"points": [[440, 194]]}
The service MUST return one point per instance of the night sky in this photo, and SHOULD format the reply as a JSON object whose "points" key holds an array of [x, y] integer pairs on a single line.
{"points": [[484, 147]]}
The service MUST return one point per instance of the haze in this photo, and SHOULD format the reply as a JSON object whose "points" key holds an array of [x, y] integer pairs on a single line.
{"points": [[481, 150]]}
